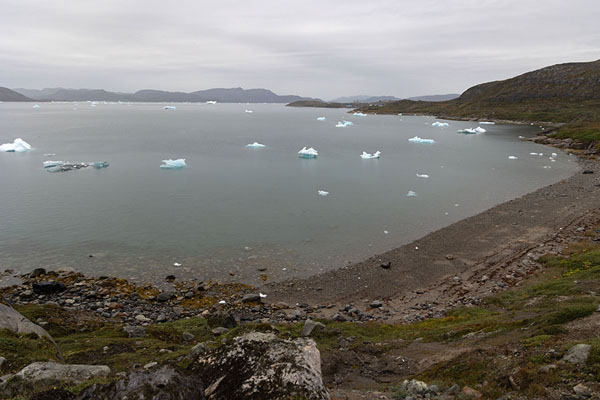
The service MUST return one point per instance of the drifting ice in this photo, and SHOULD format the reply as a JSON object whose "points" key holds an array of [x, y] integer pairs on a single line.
{"points": [[411, 194], [323, 193], [344, 124], [173, 164], [308, 153], [321, 118], [417, 139], [64, 166], [170, 108], [18, 146], [438, 123], [248, 111], [100, 164], [472, 130], [487, 123], [36, 106], [422, 176], [513, 157], [367, 156], [255, 145], [211, 102], [359, 114]]}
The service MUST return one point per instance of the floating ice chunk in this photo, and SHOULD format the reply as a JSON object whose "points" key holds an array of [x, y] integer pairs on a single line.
{"points": [[547, 167], [17, 146], [438, 123], [386, 232], [487, 123], [359, 114], [422, 176], [534, 154], [471, 131], [170, 108], [323, 193], [211, 102], [262, 296], [36, 106], [100, 164], [554, 155], [173, 164], [321, 118], [521, 137], [411, 194], [222, 302], [248, 111], [344, 124], [417, 139], [49, 163], [50, 154], [308, 153], [255, 145], [64, 166], [368, 156], [513, 157], [176, 264]]}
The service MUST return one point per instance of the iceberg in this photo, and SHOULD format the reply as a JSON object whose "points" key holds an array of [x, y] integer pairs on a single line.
{"points": [[255, 145], [344, 124], [211, 102], [64, 166], [321, 118], [487, 123], [308, 153], [36, 106], [50, 154], [100, 164], [411, 194], [248, 111], [554, 155], [322, 193], [417, 139], [173, 164], [422, 176], [471, 131], [438, 123], [17, 146], [170, 108], [368, 156], [359, 114], [513, 157]]}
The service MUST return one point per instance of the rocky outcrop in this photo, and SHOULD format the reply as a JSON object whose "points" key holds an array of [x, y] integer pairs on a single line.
{"points": [[52, 371], [261, 366], [12, 320], [161, 384], [578, 354]]}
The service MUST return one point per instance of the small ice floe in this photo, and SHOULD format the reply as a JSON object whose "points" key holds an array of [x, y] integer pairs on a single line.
{"points": [[36, 106], [262, 296], [554, 155], [211, 102], [170, 108], [547, 167], [534, 154], [422, 176], [222, 301], [248, 111], [323, 193], [321, 118], [308, 153], [438, 123], [49, 154], [521, 137], [255, 145], [417, 139], [386, 232], [513, 157], [343, 124], [176, 264], [17, 146], [173, 164], [411, 194], [368, 156], [487, 123], [359, 114], [64, 166], [472, 131], [99, 164]]}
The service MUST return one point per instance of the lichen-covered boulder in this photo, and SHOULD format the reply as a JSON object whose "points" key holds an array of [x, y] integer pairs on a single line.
{"points": [[160, 384], [12, 320], [53, 371], [262, 366]]}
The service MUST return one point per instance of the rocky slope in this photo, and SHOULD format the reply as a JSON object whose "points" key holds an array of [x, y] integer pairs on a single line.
{"points": [[10, 95]]}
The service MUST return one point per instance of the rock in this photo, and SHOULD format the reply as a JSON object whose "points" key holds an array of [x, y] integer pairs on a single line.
{"points": [[219, 330], [197, 350], [338, 317], [449, 257], [52, 371], [310, 326], [251, 298], [48, 287], [578, 354], [587, 172], [582, 390], [161, 318], [165, 296], [221, 318], [170, 278], [262, 366], [386, 265], [415, 387], [13, 321], [376, 304], [135, 331], [37, 272], [471, 393], [53, 394], [453, 390], [142, 318], [150, 365], [546, 368], [2, 361], [158, 384], [188, 337]]}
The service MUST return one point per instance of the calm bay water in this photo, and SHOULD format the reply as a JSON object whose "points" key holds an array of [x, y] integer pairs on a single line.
{"points": [[234, 209]]}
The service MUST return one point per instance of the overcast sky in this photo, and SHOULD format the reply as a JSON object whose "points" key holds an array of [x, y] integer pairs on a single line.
{"points": [[320, 48]]}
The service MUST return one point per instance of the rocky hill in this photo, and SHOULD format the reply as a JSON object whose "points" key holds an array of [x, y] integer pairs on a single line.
{"points": [[10, 95]]}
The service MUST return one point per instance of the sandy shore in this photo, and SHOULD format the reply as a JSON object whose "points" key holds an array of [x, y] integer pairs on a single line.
{"points": [[459, 254]]}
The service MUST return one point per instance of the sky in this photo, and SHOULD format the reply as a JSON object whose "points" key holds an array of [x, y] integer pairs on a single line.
{"points": [[316, 48]]}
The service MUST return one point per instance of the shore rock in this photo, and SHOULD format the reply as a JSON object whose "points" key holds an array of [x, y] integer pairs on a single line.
{"points": [[160, 384], [48, 287], [261, 366], [50, 371], [310, 326], [13, 321], [578, 354]]}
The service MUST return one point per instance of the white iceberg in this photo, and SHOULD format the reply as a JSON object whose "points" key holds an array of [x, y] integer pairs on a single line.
{"points": [[368, 156], [438, 123], [344, 124], [513, 157], [308, 153], [322, 193], [50, 154], [36, 106], [422, 176], [417, 139], [173, 164], [211, 102], [487, 123], [255, 145], [248, 111], [170, 108], [411, 194], [321, 118], [359, 114], [18, 146], [471, 131], [554, 155], [534, 154]]}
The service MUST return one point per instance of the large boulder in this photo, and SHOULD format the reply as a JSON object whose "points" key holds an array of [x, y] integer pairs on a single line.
{"points": [[261, 366], [578, 354], [53, 371], [159, 384], [12, 320]]}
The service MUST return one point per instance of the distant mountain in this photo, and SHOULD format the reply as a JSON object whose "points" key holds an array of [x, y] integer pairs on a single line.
{"points": [[233, 95], [318, 104], [363, 99], [435, 97], [10, 95]]}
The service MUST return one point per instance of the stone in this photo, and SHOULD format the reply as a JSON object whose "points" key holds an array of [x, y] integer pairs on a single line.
{"points": [[48, 287], [261, 366], [150, 365], [197, 350], [376, 304], [170, 278], [2, 361], [339, 317], [159, 383], [471, 393], [386, 265], [582, 390], [53, 394], [547, 368], [219, 330], [165, 296], [187, 337], [161, 318], [134, 331], [53, 371], [142, 318], [310, 326], [13, 321], [449, 257], [587, 172], [578, 354], [221, 319], [37, 272], [251, 298], [415, 387]]}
